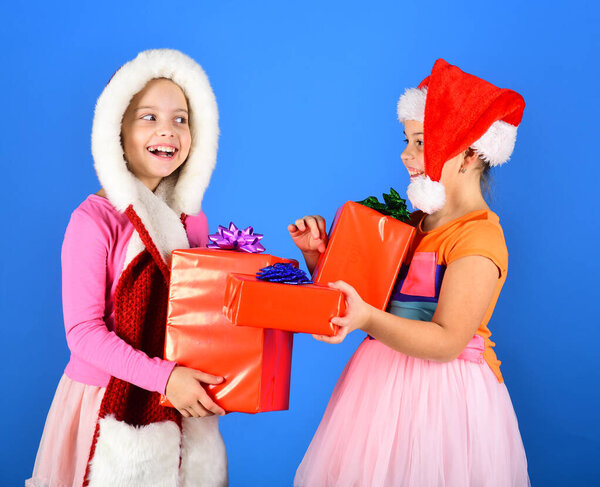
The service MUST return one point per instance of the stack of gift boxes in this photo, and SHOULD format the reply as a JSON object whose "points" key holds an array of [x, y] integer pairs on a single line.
{"points": [[224, 320]]}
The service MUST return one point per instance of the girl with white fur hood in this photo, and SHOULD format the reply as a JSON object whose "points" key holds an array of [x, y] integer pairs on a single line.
{"points": [[154, 143]]}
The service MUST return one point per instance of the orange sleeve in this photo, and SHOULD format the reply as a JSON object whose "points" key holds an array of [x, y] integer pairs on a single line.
{"points": [[480, 237]]}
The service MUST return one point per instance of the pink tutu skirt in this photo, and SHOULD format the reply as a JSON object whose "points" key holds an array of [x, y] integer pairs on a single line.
{"points": [[67, 438], [395, 420]]}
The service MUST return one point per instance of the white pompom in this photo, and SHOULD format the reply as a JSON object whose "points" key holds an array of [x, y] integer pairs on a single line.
{"points": [[426, 195]]}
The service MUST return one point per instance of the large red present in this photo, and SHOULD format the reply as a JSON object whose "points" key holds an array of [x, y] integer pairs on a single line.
{"points": [[254, 362], [366, 250], [306, 308]]}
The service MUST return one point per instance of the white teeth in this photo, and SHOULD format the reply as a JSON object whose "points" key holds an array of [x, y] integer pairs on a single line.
{"points": [[161, 148]]}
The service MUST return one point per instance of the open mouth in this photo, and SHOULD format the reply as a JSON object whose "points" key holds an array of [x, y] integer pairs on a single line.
{"points": [[162, 151], [414, 173]]}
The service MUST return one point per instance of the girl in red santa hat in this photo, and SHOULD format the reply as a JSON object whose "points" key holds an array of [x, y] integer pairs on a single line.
{"points": [[154, 143], [422, 402]]}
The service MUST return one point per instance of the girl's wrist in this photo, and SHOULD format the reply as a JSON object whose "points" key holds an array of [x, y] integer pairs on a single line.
{"points": [[367, 321], [311, 253], [311, 258]]}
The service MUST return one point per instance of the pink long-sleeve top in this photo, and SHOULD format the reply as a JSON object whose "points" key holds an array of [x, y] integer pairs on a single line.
{"points": [[93, 255]]}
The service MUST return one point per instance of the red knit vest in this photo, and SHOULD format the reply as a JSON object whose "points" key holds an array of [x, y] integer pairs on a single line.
{"points": [[141, 299]]}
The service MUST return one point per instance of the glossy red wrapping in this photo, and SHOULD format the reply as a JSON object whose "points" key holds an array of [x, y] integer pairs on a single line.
{"points": [[255, 363], [306, 308], [365, 249]]}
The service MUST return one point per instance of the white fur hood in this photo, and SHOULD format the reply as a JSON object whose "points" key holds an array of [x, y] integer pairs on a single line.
{"points": [[182, 193], [110, 165]]}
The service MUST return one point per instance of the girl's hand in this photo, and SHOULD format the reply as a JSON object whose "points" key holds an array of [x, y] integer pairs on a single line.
{"points": [[358, 314], [187, 394], [309, 234]]}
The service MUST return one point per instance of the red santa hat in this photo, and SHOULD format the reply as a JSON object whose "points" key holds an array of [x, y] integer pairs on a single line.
{"points": [[458, 111]]}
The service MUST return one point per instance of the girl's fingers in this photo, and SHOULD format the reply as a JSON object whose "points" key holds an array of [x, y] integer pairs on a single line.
{"points": [[300, 224], [334, 340], [330, 340], [184, 413], [314, 227], [292, 228], [207, 378], [321, 223], [210, 405], [312, 223], [341, 334], [199, 411], [340, 321], [346, 288]]}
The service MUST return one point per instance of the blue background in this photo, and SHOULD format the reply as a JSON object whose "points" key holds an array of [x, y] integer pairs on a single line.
{"points": [[307, 94]]}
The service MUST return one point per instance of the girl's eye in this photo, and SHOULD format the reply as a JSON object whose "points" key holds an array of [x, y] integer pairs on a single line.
{"points": [[418, 142], [180, 120], [149, 117]]}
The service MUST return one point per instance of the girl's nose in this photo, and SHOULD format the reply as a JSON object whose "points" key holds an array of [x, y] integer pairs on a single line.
{"points": [[165, 129], [406, 155]]}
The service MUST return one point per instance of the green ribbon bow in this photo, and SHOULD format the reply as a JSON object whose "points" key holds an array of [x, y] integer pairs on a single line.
{"points": [[394, 206]]}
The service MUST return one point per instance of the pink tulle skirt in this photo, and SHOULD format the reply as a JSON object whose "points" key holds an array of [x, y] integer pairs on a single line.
{"points": [[67, 438], [395, 420]]}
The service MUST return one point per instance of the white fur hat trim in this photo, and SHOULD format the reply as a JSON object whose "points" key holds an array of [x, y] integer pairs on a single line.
{"points": [[495, 146], [114, 100], [411, 105], [426, 195]]}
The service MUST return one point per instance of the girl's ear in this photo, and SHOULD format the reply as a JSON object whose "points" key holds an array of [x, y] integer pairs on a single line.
{"points": [[471, 157]]}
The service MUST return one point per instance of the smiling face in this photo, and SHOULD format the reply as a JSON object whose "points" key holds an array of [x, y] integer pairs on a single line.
{"points": [[413, 155], [155, 132]]}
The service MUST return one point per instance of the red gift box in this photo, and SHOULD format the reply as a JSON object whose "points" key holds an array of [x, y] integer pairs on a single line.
{"points": [[255, 363], [366, 250], [305, 308]]}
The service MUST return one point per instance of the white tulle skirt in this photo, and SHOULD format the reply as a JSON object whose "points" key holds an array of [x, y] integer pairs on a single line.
{"points": [[395, 420]]}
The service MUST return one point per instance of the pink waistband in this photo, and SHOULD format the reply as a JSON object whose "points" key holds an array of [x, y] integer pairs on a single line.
{"points": [[473, 352]]}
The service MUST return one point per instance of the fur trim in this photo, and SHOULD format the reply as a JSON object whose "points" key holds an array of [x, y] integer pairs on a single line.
{"points": [[181, 192], [114, 100], [203, 456], [129, 456], [426, 195], [497, 144], [411, 105], [163, 225]]}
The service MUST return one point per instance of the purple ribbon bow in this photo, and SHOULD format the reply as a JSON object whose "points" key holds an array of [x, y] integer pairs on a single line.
{"points": [[233, 238]]}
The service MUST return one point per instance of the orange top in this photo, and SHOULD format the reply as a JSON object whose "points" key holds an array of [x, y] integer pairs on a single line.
{"points": [[418, 286]]}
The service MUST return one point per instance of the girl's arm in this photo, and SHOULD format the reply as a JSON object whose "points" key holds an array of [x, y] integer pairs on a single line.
{"points": [[467, 291], [84, 286], [84, 273]]}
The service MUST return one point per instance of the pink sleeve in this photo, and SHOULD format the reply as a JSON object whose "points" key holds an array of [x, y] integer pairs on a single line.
{"points": [[84, 261], [197, 230]]}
